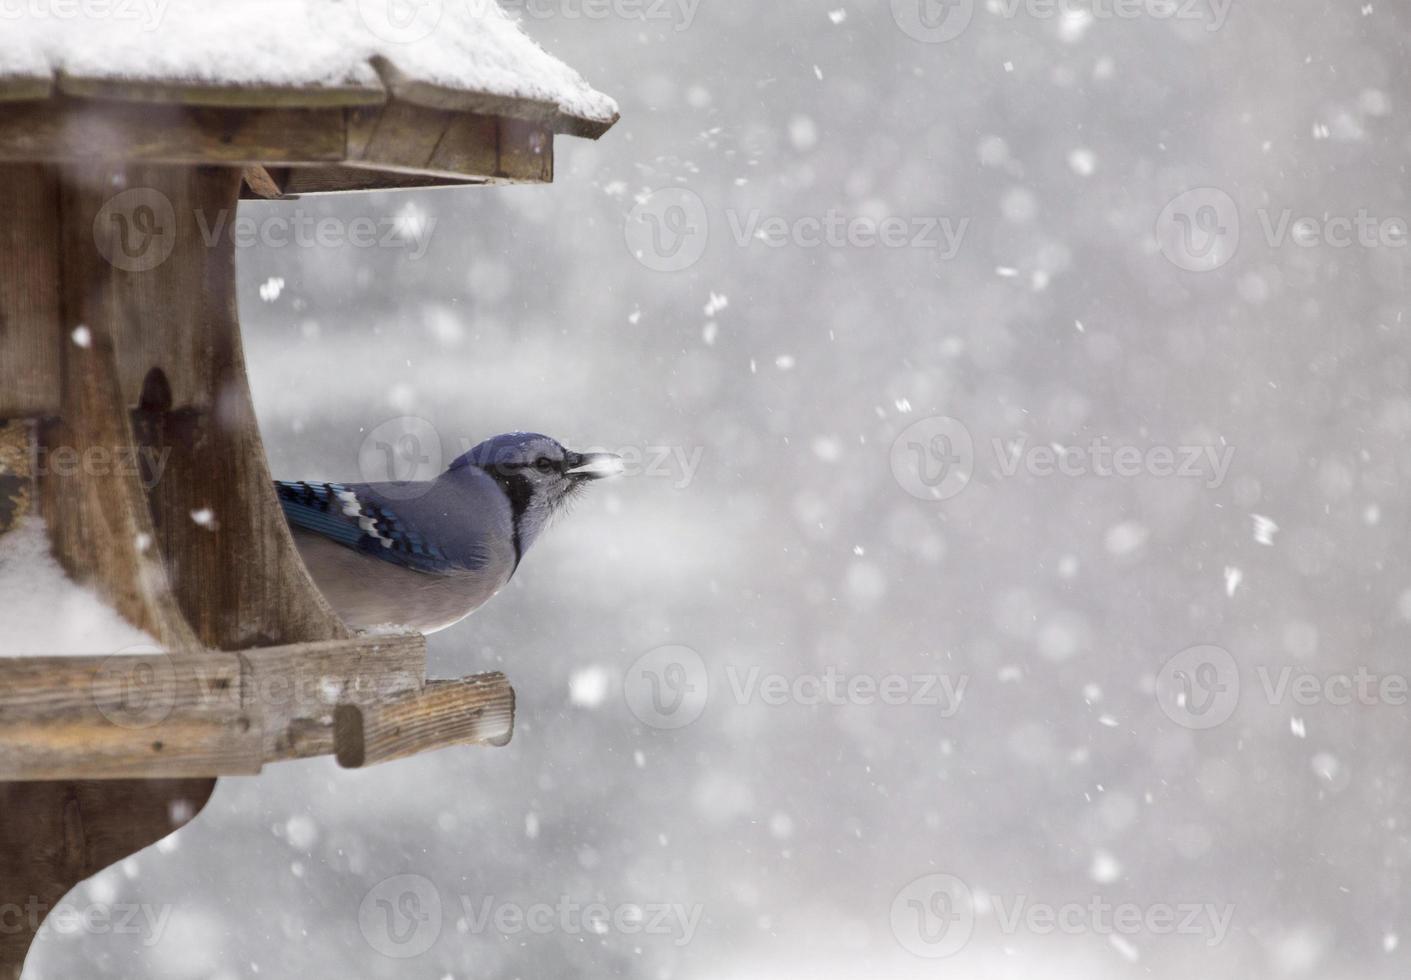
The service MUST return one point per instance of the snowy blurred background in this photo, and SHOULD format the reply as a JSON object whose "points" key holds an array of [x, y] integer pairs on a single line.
{"points": [[1119, 228]]}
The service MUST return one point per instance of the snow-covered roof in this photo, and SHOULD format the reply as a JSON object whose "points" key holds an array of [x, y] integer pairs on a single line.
{"points": [[461, 55]]}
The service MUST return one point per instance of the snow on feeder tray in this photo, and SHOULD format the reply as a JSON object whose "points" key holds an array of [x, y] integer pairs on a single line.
{"points": [[121, 145]]}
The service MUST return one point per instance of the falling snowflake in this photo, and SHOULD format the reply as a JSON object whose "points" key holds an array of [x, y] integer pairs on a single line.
{"points": [[1233, 578], [1264, 529]]}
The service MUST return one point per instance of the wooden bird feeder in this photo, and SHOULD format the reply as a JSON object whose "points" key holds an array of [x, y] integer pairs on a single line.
{"points": [[118, 334]]}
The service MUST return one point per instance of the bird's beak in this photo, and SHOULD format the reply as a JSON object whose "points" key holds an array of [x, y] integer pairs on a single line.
{"points": [[593, 466]]}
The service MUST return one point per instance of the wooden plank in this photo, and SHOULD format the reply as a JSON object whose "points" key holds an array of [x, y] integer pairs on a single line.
{"points": [[152, 715], [296, 688], [108, 88], [30, 329], [470, 144], [526, 152], [404, 136], [472, 711], [401, 140], [60, 130], [192, 714], [54, 835]]}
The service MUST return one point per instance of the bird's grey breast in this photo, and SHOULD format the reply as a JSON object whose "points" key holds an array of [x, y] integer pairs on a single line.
{"points": [[467, 517]]}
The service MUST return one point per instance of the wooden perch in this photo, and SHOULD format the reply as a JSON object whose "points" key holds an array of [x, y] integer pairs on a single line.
{"points": [[161, 715], [471, 711]]}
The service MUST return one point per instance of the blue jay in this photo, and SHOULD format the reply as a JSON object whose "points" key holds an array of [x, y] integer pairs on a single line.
{"points": [[426, 555]]}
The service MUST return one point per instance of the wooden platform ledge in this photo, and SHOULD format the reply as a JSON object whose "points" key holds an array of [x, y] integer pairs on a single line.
{"points": [[184, 715]]}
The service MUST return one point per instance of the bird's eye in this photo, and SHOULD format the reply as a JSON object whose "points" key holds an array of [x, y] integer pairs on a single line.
{"points": [[544, 464]]}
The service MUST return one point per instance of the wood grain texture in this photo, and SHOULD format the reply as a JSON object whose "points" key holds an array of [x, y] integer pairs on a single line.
{"points": [[99, 524], [370, 146], [151, 715], [219, 525], [54, 835], [154, 715], [30, 328], [473, 711], [296, 688], [74, 131]]}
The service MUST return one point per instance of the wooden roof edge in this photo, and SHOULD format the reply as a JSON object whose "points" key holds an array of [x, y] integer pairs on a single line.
{"points": [[392, 84], [433, 96]]}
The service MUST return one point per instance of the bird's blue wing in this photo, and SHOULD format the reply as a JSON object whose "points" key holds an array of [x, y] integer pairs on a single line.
{"points": [[357, 518]]}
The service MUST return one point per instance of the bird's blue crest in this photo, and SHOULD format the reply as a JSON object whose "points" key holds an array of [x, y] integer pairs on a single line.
{"points": [[504, 447]]}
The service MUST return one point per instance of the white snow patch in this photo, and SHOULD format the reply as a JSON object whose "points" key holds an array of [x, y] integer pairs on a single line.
{"points": [[48, 613]]}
